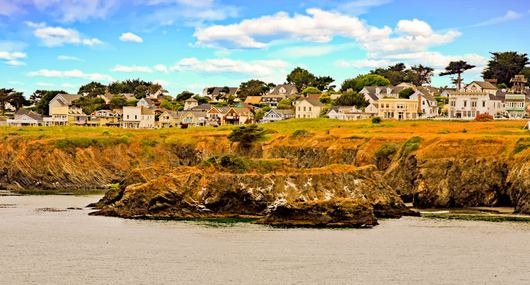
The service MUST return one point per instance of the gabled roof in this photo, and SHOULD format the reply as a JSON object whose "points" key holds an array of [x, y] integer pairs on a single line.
{"points": [[31, 114], [290, 89], [312, 101], [191, 100], [146, 111], [67, 99], [484, 85], [253, 100], [202, 107]]}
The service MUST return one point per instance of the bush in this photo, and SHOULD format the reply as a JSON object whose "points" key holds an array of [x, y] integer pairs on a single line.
{"points": [[376, 120], [73, 143], [484, 118], [383, 156], [247, 135], [522, 145], [411, 145], [300, 134]]}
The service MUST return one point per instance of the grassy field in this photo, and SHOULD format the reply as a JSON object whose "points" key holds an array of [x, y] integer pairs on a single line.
{"points": [[362, 128]]}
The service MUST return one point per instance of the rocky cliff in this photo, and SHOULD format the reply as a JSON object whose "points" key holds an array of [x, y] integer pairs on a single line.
{"points": [[160, 175]]}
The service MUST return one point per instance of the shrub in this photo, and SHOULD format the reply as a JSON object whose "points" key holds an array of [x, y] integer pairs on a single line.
{"points": [[522, 145], [484, 118], [411, 145], [386, 151], [247, 135], [300, 134], [231, 163], [376, 120]]}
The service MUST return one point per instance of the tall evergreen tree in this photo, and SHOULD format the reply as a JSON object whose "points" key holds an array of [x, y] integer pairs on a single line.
{"points": [[503, 66], [457, 67]]}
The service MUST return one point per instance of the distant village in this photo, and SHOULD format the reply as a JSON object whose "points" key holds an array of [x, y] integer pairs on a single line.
{"points": [[303, 96]]}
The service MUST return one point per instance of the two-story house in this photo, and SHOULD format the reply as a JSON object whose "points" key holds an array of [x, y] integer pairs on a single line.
{"points": [[138, 118], [400, 109], [62, 112], [25, 117], [308, 108]]}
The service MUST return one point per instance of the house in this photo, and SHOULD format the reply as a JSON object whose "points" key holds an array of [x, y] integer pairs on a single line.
{"points": [[202, 108], [138, 118], [107, 118], [25, 118], [218, 94], [427, 104], [275, 115], [347, 113], [238, 116], [108, 97], [308, 108], [481, 87], [214, 116], [398, 108], [467, 105], [169, 119], [190, 103], [372, 94], [278, 93], [63, 113], [193, 118], [253, 100], [147, 103]]}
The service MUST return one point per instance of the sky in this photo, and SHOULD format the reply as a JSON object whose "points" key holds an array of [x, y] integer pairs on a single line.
{"points": [[192, 44]]}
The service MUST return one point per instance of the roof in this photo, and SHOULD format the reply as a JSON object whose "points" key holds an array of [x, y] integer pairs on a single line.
{"points": [[146, 111], [69, 98], [457, 93], [215, 91], [205, 107], [285, 111], [312, 101], [31, 114], [497, 97], [484, 85], [253, 100], [191, 100], [289, 89]]}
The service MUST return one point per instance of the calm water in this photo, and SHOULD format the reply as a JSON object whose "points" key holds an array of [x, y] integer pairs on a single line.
{"points": [[46, 246]]}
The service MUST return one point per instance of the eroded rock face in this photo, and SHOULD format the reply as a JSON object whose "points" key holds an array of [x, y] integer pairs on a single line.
{"points": [[519, 186], [330, 213], [189, 192]]}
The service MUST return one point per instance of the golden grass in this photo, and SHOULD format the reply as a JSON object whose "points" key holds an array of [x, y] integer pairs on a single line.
{"points": [[388, 129]]}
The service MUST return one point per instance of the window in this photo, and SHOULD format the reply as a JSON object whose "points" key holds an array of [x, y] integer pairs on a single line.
{"points": [[453, 103], [465, 103], [483, 103], [473, 104], [304, 110], [309, 109]]}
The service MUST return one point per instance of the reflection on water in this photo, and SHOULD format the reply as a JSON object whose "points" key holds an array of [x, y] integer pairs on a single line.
{"points": [[63, 245]]}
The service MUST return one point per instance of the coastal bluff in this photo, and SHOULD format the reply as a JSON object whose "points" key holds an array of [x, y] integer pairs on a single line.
{"points": [[357, 171]]}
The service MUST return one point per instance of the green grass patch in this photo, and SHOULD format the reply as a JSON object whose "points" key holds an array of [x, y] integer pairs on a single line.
{"points": [[411, 145], [73, 143], [386, 151], [522, 145]]}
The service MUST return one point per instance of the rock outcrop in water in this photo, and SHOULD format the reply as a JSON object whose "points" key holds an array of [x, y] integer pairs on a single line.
{"points": [[191, 192]]}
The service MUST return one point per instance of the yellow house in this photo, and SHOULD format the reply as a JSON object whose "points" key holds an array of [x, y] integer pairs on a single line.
{"points": [[308, 108], [400, 109], [62, 112], [169, 119]]}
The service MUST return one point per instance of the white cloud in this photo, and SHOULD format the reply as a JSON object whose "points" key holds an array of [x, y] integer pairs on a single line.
{"points": [[75, 73], [364, 63], [263, 69], [161, 68], [132, 69], [311, 51], [15, 63], [58, 36], [67, 57], [12, 58], [9, 7], [130, 37], [321, 26], [509, 16]]}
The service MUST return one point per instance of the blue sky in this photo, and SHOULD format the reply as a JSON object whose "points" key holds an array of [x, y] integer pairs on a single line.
{"points": [[190, 44]]}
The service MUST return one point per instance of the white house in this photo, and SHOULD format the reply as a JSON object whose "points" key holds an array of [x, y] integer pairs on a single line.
{"points": [[275, 115], [467, 105], [347, 113], [25, 118], [427, 105], [481, 87], [138, 118], [190, 104], [146, 103], [308, 108]]}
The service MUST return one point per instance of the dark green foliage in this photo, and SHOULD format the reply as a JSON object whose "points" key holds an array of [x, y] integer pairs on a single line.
{"points": [[185, 95], [457, 67], [252, 88], [71, 144], [386, 151], [411, 145], [302, 79], [300, 134], [247, 135], [89, 104], [351, 98], [117, 102], [406, 93], [138, 87], [376, 120], [359, 82], [92, 89], [503, 66], [42, 99]]}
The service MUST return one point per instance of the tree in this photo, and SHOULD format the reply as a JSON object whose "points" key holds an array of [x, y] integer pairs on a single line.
{"points": [[117, 102], [247, 135], [184, 95], [92, 89], [201, 99], [311, 91], [285, 104], [45, 96], [359, 82], [457, 67], [352, 98], [252, 88], [5, 96], [301, 78], [420, 74], [396, 74], [88, 104], [141, 91], [323, 83], [406, 93], [18, 100], [503, 66]]}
